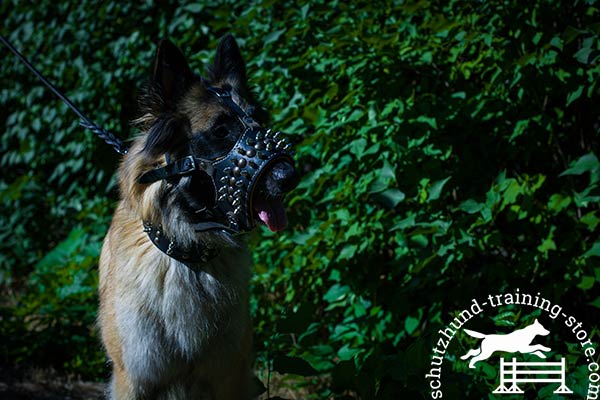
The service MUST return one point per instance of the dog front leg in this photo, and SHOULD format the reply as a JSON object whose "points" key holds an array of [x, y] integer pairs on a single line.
{"points": [[120, 386]]}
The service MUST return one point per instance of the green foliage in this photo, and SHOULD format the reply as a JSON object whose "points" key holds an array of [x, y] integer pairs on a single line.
{"points": [[448, 151], [54, 319]]}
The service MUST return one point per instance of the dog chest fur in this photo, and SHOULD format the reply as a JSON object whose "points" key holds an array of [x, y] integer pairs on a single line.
{"points": [[159, 317]]}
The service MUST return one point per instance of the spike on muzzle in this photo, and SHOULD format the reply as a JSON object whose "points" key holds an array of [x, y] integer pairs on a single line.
{"points": [[252, 158]]}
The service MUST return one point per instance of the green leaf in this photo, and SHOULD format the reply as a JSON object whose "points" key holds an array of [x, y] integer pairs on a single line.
{"points": [[586, 163], [336, 293], [355, 115], [343, 215], [590, 220], [273, 36], [304, 10], [390, 197], [548, 243], [407, 222], [387, 171], [63, 251], [471, 206], [583, 54], [519, 129], [358, 146], [347, 353], [587, 282], [428, 120], [574, 95], [436, 189], [488, 370], [385, 178], [558, 202], [512, 190], [593, 252], [557, 42], [348, 252], [411, 324], [194, 8]]}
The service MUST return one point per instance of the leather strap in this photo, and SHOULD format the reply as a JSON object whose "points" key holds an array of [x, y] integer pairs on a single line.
{"points": [[225, 97], [180, 167]]}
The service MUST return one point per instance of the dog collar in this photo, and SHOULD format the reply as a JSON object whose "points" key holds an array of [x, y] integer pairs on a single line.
{"points": [[199, 253]]}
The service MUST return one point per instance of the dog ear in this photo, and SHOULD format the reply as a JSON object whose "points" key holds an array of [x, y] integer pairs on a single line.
{"points": [[171, 74], [229, 67]]}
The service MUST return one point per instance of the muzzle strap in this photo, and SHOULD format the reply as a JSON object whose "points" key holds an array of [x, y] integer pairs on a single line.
{"points": [[225, 97], [181, 167]]}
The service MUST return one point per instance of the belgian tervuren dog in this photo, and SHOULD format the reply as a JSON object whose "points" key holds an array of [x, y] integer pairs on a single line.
{"points": [[174, 269]]}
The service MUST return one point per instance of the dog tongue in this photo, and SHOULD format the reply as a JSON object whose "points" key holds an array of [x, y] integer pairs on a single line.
{"points": [[271, 212]]}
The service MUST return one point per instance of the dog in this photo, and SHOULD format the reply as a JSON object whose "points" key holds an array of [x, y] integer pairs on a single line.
{"points": [[174, 269], [517, 341]]}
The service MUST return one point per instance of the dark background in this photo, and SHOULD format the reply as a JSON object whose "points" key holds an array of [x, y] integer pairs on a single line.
{"points": [[448, 151]]}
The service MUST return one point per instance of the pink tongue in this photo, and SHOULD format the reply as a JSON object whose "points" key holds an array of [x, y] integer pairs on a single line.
{"points": [[271, 212]]}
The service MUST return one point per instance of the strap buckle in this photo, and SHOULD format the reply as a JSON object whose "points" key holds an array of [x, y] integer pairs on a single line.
{"points": [[182, 166], [188, 164]]}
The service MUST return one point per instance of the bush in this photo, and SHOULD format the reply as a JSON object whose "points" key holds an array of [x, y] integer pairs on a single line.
{"points": [[448, 152]]}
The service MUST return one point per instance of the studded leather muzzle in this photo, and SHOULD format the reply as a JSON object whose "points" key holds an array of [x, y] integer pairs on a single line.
{"points": [[234, 176]]}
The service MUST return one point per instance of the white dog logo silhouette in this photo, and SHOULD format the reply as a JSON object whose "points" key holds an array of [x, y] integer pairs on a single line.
{"points": [[517, 341]]}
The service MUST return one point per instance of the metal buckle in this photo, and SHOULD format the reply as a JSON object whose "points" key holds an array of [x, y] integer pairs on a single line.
{"points": [[188, 164]]}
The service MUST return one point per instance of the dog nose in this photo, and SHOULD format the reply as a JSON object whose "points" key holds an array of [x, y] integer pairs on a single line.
{"points": [[284, 177]]}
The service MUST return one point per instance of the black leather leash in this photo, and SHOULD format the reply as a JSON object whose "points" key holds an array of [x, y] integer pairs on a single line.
{"points": [[103, 134]]}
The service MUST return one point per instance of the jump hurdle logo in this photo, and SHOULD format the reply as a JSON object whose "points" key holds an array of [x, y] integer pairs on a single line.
{"points": [[514, 372]]}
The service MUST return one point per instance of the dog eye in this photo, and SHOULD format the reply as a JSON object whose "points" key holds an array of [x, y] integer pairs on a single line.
{"points": [[220, 131]]}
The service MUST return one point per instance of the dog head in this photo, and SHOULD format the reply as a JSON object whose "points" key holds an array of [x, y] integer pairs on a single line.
{"points": [[539, 328], [186, 116]]}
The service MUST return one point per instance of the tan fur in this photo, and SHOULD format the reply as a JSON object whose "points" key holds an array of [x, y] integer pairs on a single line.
{"points": [[170, 332]]}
